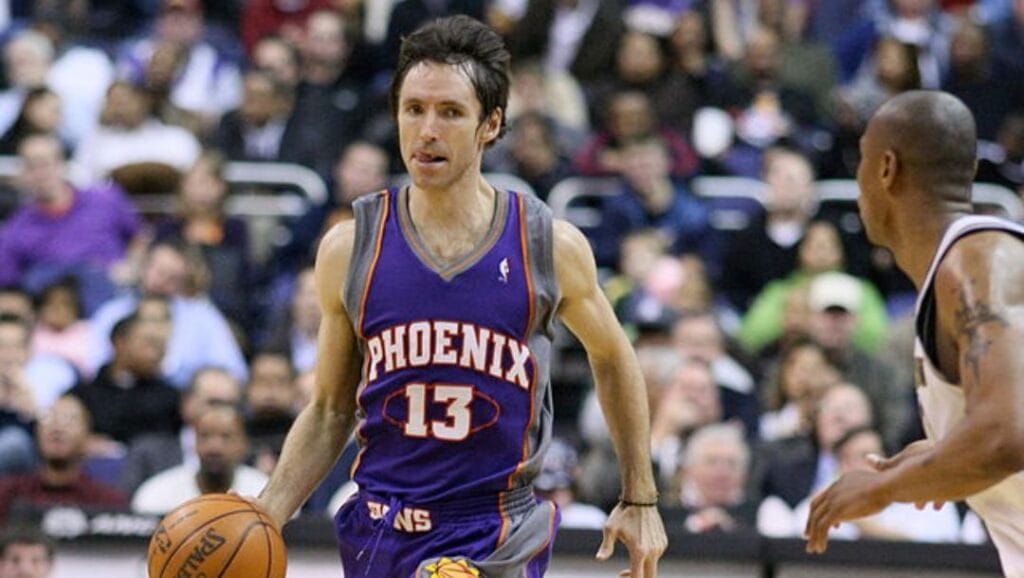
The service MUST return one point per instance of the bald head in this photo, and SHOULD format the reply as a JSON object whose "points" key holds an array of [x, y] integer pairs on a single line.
{"points": [[933, 136]]}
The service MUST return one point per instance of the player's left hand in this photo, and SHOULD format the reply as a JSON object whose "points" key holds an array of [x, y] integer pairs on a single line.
{"points": [[850, 497], [641, 530]]}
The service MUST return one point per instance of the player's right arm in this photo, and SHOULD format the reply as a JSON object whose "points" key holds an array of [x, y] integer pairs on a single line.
{"points": [[324, 426]]}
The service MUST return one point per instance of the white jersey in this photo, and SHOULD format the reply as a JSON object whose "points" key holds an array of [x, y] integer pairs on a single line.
{"points": [[942, 406]]}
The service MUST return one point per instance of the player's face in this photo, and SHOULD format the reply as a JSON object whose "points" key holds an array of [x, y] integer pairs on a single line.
{"points": [[439, 127]]}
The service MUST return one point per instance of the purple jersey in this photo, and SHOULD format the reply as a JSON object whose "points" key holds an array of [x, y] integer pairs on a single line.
{"points": [[455, 394]]}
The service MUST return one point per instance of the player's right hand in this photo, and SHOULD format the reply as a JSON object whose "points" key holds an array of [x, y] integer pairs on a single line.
{"points": [[643, 533]]}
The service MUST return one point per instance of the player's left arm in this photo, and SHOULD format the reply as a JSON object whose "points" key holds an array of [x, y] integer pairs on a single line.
{"points": [[621, 392], [979, 289]]}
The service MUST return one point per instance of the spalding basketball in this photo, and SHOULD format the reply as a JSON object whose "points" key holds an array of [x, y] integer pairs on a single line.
{"points": [[217, 535]]}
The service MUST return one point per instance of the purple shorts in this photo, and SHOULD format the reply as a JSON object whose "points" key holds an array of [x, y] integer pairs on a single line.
{"points": [[500, 537]]}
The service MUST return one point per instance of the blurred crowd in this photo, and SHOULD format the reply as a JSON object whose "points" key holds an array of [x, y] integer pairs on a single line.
{"points": [[147, 356]]}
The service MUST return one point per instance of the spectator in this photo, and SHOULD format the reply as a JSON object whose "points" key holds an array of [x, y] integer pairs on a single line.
{"points": [[63, 229], [265, 127], [199, 334], [820, 251], [362, 168], [128, 397], [40, 113], [46, 376], [703, 79], [979, 80], [697, 334], [62, 435], [712, 480], [332, 105], [270, 402], [556, 482], [631, 119], [803, 373], [795, 468], [767, 248], [533, 152], [28, 56], [651, 199], [129, 134], [221, 445], [60, 330], [893, 69], [207, 83], [26, 554], [222, 240], [553, 94], [298, 334], [149, 454], [1003, 162], [836, 302], [585, 47], [280, 58], [17, 398]]}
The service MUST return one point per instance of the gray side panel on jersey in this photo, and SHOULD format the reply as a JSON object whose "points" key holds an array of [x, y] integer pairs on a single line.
{"points": [[540, 248], [367, 211]]}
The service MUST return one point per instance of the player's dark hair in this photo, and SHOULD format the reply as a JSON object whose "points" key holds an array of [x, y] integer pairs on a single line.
{"points": [[464, 42]]}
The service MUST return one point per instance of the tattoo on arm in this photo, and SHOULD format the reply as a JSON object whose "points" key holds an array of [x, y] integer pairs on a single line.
{"points": [[969, 319]]}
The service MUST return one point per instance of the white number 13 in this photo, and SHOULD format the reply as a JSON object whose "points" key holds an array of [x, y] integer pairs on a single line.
{"points": [[457, 399]]}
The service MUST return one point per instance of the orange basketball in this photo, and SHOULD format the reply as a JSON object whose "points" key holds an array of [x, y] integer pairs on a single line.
{"points": [[217, 535]]}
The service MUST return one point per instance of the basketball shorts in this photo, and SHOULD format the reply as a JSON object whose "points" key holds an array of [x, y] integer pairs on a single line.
{"points": [[493, 537]]}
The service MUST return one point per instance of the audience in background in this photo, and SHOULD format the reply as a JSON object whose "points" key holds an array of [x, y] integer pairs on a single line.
{"points": [[26, 554]]}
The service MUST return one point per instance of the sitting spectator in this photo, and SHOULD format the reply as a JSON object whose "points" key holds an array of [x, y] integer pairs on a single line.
{"points": [[265, 127], [278, 56], [630, 119], [199, 334], [26, 554], [40, 113], [62, 435], [898, 521], [820, 251], [803, 374], [27, 57], [128, 397], [797, 467], [129, 134], [206, 82], [149, 454], [60, 329], [221, 445], [711, 481], [556, 482], [63, 229], [270, 402], [553, 95], [17, 398], [1002, 162], [362, 168], [835, 301], [47, 376], [532, 152], [297, 335], [651, 199], [697, 334], [223, 240], [767, 249]]}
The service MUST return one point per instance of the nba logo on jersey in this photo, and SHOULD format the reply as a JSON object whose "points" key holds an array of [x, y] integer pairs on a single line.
{"points": [[503, 270]]}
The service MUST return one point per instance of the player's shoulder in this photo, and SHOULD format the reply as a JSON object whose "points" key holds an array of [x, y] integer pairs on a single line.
{"points": [[336, 245], [569, 242], [990, 259]]}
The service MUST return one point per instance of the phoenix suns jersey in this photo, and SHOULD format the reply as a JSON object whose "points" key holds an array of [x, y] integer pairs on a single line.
{"points": [[943, 405], [455, 398]]}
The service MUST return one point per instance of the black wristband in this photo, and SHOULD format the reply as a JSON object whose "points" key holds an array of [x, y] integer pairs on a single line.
{"points": [[625, 502]]}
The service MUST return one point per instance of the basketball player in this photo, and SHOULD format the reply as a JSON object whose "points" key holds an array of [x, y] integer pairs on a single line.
{"points": [[438, 302], [917, 165]]}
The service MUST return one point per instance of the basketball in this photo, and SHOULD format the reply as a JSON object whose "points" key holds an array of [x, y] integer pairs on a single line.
{"points": [[217, 535]]}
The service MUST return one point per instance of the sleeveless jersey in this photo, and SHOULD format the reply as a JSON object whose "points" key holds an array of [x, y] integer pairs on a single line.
{"points": [[455, 398], [942, 405]]}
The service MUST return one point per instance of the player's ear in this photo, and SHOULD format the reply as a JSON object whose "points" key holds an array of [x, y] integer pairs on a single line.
{"points": [[491, 126], [888, 169]]}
